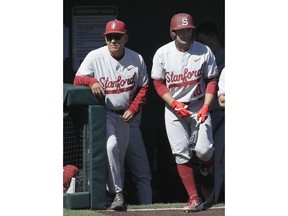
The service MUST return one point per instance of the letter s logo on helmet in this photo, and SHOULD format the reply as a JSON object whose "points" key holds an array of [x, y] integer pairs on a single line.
{"points": [[184, 21], [181, 21]]}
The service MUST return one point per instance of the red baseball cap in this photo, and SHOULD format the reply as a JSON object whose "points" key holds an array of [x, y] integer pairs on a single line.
{"points": [[115, 26]]}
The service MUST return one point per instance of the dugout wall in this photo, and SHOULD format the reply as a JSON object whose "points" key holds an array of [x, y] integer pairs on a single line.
{"points": [[84, 145]]}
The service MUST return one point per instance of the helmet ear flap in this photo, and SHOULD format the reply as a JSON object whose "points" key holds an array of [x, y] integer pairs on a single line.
{"points": [[173, 35]]}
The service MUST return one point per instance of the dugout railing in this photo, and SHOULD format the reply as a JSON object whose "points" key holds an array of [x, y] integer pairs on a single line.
{"points": [[84, 145]]}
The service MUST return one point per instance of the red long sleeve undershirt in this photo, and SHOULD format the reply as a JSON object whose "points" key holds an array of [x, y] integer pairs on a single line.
{"points": [[84, 80], [139, 100]]}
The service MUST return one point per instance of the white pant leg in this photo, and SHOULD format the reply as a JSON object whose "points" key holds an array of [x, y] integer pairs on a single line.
{"points": [[178, 132], [117, 142], [138, 164]]}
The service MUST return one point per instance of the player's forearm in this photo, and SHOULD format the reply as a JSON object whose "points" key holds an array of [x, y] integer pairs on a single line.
{"points": [[84, 80], [163, 91], [208, 99], [212, 87], [168, 98], [160, 87], [210, 92]]}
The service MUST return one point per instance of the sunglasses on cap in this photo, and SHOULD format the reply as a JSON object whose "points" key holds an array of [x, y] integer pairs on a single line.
{"points": [[110, 37]]}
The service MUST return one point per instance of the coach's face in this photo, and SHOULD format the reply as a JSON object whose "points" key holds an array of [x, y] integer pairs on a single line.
{"points": [[116, 43]]}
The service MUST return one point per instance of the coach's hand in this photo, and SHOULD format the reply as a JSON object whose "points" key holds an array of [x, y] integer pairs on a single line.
{"points": [[128, 116], [180, 109], [203, 112], [97, 89]]}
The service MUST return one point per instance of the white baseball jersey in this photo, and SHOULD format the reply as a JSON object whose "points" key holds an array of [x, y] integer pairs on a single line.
{"points": [[120, 78], [184, 72], [221, 83]]}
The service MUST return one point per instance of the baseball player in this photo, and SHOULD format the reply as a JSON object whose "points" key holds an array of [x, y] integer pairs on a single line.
{"points": [[120, 75], [138, 164], [221, 91], [185, 74]]}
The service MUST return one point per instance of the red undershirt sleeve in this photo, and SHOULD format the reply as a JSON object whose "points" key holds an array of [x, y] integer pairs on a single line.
{"points": [[160, 87], [84, 80], [139, 100], [211, 87]]}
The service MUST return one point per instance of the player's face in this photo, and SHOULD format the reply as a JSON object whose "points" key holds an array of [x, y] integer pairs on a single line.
{"points": [[184, 36], [115, 37], [116, 43]]}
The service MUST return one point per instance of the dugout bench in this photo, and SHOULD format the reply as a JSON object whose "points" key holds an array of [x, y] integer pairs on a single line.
{"points": [[87, 112]]}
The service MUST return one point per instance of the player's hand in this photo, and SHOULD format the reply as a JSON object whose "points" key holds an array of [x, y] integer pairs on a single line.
{"points": [[180, 109], [128, 116], [203, 113], [221, 100], [97, 89]]}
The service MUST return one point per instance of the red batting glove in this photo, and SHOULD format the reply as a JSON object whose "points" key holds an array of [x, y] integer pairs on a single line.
{"points": [[180, 109], [203, 113]]}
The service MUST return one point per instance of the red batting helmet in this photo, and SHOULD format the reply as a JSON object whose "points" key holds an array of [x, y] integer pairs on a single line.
{"points": [[115, 26], [181, 21]]}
